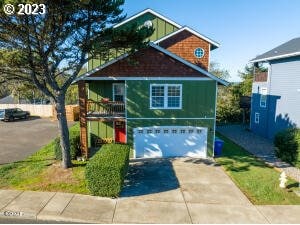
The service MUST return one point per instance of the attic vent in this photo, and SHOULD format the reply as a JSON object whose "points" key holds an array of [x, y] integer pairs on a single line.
{"points": [[148, 23]]}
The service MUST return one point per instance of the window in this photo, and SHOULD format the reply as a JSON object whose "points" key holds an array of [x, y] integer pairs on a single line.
{"points": [[118, 92], [263, 98], [256, 119], [199, 52], [165, 96], [263, 101], [158, 93]]}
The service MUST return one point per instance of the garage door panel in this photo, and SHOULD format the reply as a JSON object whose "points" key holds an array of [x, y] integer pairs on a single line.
{"points": [[170, 141]]}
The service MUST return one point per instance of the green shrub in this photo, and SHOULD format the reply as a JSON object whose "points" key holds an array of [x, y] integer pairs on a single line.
{"points": [[287, 143], [74, 145], [106, 170]]}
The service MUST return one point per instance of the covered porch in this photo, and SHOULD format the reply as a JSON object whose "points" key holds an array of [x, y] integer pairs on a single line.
{"points": [[102, 113]]}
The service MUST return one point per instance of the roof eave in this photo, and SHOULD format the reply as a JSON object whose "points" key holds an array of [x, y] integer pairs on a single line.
{"points": [[151, 44], [275, 57], [144, 12], [213, 43], [197, 68]]}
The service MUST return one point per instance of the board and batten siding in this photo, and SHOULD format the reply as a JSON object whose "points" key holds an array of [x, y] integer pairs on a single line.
{"points": [[285, 93], [198, 99], [98, 129], [161, 29]]}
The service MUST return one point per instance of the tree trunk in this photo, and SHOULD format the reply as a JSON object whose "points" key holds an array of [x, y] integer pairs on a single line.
{"points": [[63, 131]]}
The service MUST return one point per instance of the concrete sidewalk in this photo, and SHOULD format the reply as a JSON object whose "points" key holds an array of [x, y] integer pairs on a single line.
{"points": [[205, 194]]}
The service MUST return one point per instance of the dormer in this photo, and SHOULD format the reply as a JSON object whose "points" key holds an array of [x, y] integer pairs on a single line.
{"points": [[189, 45], [182, 41]]}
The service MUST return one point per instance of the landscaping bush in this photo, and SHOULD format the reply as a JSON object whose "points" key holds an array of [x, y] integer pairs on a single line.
{"points": [[287, 145], [74, 138], [106, 170]]}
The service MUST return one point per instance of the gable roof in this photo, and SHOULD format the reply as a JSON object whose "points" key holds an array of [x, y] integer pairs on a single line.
{"points": [[148, 11], [288, 49], [213, 43], [166, 52]]}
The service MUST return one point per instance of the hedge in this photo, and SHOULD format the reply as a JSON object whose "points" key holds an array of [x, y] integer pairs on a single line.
{"points": [[74, 138], [106, 170], [287, 143]]}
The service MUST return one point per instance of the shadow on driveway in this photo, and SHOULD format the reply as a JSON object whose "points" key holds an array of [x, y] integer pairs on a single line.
{"points": [[149, 176]]}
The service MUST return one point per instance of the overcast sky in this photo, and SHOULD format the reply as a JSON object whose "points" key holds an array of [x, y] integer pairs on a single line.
{"points": [[244, 28]]}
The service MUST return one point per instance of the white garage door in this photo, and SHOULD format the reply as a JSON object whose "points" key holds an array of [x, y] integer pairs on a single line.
{"points": [[165, 141]]}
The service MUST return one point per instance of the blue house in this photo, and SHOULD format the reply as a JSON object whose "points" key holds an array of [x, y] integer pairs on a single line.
{"points": [[275, 103]]}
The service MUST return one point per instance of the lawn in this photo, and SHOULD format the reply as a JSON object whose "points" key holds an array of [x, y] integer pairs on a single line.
{"points": [[258, 181], [41, 172]]}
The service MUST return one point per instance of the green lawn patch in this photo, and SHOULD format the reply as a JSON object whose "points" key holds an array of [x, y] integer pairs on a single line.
{"points": [[41, 172], [258, 181]]}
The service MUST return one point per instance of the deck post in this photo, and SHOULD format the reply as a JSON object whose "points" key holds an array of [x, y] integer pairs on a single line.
{"points": [[82, 118]]}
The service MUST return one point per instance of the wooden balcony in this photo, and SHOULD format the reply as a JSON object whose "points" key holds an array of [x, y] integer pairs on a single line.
{"points": [[107, 110], [261, 77]]}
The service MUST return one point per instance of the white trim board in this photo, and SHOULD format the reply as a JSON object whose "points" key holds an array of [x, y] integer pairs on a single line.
{"points": [[216, 44], [148, 11], [197, 68], [172, 118], [172, 55], [166, 96], [275, 57], [100, 68], [149, 78]]}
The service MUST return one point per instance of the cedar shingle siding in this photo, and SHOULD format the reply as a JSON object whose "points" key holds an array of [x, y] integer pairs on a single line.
{"points": [[184, 43], [148, 62]]}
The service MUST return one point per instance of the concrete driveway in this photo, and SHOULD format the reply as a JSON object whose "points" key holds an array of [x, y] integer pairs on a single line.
{"points": [[182, 190], [179, 190], [21, 138]]}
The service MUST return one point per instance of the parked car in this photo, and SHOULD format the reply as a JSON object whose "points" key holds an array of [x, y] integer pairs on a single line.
{"points": [[11, 114]]}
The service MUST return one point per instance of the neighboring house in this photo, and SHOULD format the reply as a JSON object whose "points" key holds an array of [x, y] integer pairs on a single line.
{"points": [[276, 93], [161, 100], [8, 100]]}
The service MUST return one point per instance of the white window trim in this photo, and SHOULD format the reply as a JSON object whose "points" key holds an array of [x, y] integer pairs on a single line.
{"points": [[263, 104], [113, 94], [202, 54], [256, 118], [166, 96]]}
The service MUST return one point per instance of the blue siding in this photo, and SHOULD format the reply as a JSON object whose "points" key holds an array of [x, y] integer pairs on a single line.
{"points": [[283, 100], [285, 89], [261, 127]]}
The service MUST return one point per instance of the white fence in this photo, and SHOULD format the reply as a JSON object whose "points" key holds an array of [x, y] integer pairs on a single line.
{"points": [[35, 110]]}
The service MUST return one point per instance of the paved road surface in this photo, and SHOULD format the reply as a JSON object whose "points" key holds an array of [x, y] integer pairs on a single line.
{"points": [[21, 138]]}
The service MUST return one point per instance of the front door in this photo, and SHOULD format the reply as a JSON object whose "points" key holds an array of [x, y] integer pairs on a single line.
{"points": [[120, 132]]}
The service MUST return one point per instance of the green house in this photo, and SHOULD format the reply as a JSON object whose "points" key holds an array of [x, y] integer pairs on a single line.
{"points": [[164, 104]]}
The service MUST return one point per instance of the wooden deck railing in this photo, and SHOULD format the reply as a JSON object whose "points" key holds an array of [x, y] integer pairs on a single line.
{"points": [[105, 109]]}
